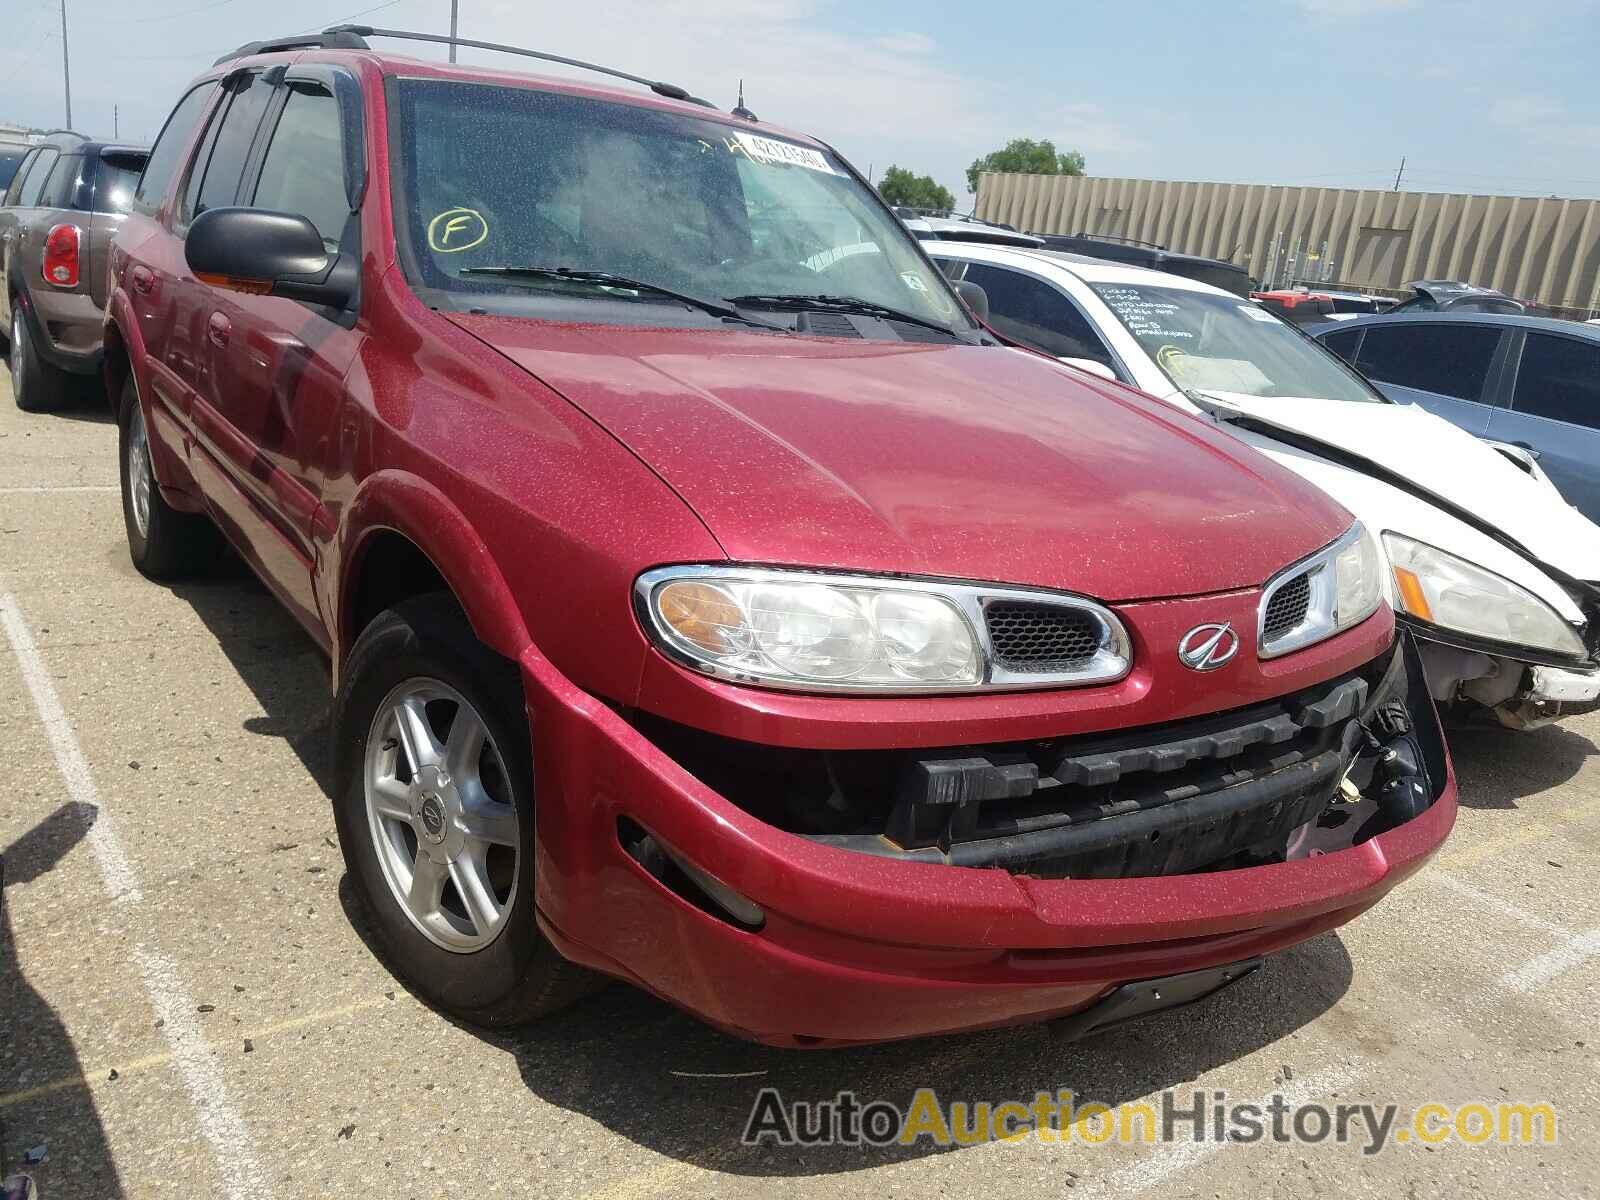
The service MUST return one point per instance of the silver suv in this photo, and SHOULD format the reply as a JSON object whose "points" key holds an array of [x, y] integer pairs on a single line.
{"points": [[61, 208]]}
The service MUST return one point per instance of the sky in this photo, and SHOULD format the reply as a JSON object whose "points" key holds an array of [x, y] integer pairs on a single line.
{"points": [[1476, 95]]}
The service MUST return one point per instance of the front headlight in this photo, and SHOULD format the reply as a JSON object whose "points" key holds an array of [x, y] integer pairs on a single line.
{"points": [[1452, 593], [813, 631], [1339, 586]]}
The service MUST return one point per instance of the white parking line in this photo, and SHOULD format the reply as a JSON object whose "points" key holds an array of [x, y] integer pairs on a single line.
{"points": [[219, 1122], [1504, 907], [1160, 1165], [115, 869], [1534, 975]]}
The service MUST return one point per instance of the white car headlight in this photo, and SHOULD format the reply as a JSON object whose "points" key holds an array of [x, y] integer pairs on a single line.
{"points": [[812, 631], [1339, 586], [1454, 594]]}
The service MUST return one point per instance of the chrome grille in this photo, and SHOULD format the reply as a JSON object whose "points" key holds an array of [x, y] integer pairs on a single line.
{"points": [[1041, 637], [1287, 608]]}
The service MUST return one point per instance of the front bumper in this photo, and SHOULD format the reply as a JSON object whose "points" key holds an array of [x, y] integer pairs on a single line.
{"points": [[856, 947]]}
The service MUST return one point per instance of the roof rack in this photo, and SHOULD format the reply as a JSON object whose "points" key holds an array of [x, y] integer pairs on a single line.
{"points": [[342, 38], [359, 34]]}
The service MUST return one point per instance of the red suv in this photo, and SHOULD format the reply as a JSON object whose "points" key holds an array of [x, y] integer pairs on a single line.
{"points": [[713, 602]]}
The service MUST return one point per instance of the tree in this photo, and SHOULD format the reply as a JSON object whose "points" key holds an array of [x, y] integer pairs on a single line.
{"points": [[900, 187], [1024, 156]]}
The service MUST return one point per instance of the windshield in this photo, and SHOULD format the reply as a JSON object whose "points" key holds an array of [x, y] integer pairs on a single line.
{"points": [[1223, 344], [515, 177]]}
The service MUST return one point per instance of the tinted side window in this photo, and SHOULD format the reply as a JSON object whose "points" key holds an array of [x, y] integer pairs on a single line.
{"points": [[1036, 314], [10, 163], [1559, 379], [168, 150], [220, 182], [1344, 344], [303, 171], [1452, 360], [62, 186], [116, 181], [38, 171]]}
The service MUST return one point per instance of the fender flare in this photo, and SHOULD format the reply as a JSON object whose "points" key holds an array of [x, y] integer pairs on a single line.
{"points": [[395, 501]]}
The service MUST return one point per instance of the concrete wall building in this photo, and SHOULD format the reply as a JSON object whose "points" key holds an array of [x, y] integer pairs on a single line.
{"points": [[1543, 250]]}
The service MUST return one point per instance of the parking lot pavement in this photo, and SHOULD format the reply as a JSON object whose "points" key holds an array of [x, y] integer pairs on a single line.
{"points": [[188, 1006]]}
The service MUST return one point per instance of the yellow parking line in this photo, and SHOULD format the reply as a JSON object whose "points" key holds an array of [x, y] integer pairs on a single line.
{"points": [[1521, 833], [94, 1077]]}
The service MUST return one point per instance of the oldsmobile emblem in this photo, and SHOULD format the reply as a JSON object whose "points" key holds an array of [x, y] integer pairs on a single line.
{"points": [[1207, 647]]}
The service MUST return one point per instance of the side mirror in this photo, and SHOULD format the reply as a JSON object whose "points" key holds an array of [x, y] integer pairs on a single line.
{"points": [[976, 298], [1092, 366], [268, 254]]}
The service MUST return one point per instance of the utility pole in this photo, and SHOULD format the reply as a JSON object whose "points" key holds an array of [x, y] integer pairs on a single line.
{"points": [[455, 6], [116, 129], [1400, 172], [66, 64]]}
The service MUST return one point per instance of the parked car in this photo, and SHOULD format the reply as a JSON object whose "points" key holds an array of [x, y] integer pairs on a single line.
{"points": [[1451, 295], [1316, 306], [1530, 381], [56, 223], [1485, 560], [877, 680], [967, 229], [1230, 277], [1297, 307]]}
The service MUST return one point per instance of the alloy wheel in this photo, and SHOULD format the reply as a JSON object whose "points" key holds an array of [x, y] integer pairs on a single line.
{"points": [[17, 359], [441, 814], [139, 470]]}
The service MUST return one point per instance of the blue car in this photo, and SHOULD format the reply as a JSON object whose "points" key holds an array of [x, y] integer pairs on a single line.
{"points": [[1529, 381]]}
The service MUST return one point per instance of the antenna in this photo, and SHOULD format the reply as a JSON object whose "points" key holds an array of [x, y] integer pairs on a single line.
{"points": [[739, 109]]}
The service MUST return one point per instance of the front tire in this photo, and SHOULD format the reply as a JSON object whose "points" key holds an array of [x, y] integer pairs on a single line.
{"points": [[434, 807], [163, 542], [35, 384]]}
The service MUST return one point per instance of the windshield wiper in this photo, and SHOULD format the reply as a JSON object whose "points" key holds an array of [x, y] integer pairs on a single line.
{"points": [[852, 304], [607, 279]]}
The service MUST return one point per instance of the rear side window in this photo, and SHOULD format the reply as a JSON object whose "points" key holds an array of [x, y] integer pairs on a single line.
{"points": [[34, 180], [116, 181], [167, 153], [1344, 344], [303, 172], [61, 189], [1560, 379], [220, 163], [1452, 360], [10, 160], [1036, 314]]}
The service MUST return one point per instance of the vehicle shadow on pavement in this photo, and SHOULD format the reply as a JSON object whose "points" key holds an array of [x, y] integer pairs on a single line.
{"points": [[276, 659], [1495, 767], [35, 1049], [671, 1084]]}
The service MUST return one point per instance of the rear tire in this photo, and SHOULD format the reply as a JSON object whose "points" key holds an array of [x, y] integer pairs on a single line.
{"points": [[407, 830], [36, 385], [163, 542]]}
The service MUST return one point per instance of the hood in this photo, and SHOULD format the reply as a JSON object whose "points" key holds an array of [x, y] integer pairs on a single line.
{"points": [[946, 460], [1449, 462]]}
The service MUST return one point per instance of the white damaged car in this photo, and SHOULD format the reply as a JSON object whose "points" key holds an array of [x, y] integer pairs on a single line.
{"points": [[1494, 571]]}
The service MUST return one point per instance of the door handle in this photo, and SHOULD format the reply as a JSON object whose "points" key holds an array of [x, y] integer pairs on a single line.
{"points": [[1533, 452], [143, 281], [219, 329]]}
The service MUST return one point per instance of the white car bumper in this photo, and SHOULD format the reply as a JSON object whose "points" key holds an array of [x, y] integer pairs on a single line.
{"points": [[1562, 686]]}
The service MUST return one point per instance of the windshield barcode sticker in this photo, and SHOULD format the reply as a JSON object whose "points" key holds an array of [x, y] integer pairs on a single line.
{"points": [[775, 153]]}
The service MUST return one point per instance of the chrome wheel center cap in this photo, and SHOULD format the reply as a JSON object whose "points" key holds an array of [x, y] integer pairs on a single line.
{"points": [[430, 817]]}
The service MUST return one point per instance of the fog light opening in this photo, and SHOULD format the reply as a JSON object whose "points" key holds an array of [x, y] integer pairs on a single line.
{"points": [[685, 880]]}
